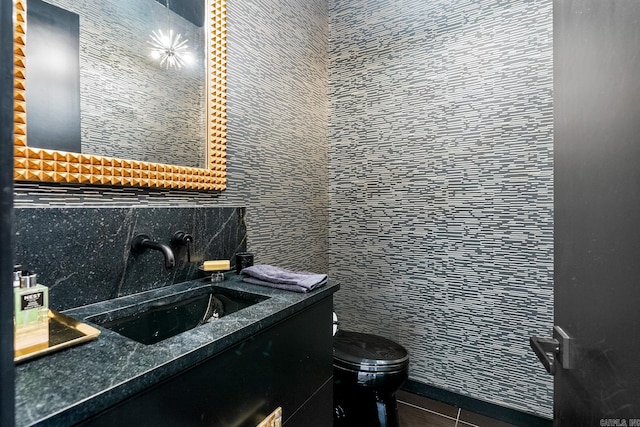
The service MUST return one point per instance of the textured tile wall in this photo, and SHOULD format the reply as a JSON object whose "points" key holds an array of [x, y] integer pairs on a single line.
{"points": [[441, 187], [277, 111], [277, 143]]}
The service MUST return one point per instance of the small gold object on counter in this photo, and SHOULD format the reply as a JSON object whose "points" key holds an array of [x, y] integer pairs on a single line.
{"points": [[64, 332]]}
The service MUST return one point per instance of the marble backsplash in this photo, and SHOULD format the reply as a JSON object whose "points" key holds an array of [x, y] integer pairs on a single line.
{"points": [[84, 255]]}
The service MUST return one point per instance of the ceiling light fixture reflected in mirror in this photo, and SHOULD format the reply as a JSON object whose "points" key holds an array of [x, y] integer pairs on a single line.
{"points": [[169, 49]]}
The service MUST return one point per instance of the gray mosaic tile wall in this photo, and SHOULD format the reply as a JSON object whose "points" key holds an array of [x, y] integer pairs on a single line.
{"points": [[441, 187], [277, 111], [277, 142]]}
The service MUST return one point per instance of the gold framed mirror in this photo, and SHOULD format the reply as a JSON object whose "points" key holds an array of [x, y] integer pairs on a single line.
{"points": [[45, 165]]}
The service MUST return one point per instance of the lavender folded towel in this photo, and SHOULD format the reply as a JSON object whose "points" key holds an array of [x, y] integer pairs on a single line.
{"points": [[276, 277]]}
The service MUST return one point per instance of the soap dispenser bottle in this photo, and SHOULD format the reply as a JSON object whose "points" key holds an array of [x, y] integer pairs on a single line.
{"points": [[31, 312]]}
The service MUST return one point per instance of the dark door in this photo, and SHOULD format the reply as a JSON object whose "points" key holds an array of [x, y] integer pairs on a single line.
{"points": [[597, 212]]}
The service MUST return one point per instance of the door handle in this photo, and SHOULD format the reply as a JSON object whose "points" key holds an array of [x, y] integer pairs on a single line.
{"points": [[546, 349], [550, 351]]}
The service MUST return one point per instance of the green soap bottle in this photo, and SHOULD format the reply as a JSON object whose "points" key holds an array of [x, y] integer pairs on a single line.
{"points": [[31, 313]]}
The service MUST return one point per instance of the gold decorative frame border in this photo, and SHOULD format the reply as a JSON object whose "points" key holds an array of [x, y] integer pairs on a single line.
{"points": [[36, 164]]}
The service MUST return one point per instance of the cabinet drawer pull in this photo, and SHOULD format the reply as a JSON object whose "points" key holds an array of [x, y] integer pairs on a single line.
{"points": [[273, 420]]}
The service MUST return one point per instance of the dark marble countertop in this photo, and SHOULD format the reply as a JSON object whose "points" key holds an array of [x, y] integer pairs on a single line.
{"points": [[69, 386]]}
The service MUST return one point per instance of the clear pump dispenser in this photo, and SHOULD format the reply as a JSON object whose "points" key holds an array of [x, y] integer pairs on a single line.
{"points": [[31, 312]]}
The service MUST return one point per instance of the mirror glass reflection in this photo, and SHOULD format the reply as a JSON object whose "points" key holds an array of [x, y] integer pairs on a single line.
{"points": [[118, 78]]}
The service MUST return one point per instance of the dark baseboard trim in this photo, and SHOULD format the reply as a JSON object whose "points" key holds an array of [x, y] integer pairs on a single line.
{"points": [[487, 409]]}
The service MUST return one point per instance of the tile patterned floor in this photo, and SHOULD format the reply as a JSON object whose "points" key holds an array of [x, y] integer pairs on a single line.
{"points": [[417, 411]]}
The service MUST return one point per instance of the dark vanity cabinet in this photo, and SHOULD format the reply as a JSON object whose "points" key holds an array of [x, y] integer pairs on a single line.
{"points": [[287, 365]]}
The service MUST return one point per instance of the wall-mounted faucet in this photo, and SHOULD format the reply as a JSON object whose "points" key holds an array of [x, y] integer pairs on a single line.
{"points": [[181, 238], [142, 242]]}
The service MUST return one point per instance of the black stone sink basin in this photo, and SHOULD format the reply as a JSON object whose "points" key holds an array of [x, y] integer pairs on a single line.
{"points": [[153, 321]]}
